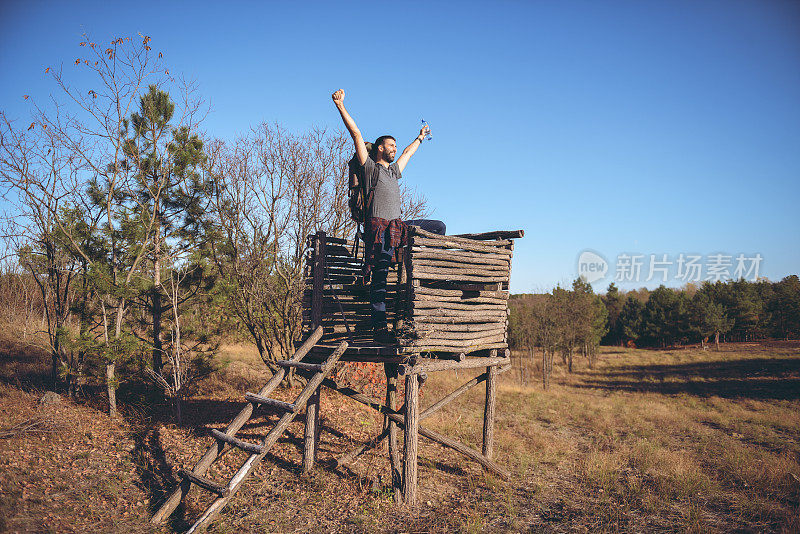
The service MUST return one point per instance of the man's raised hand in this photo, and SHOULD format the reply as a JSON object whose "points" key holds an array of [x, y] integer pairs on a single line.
{"points": [[425, 130], [338, 97]]}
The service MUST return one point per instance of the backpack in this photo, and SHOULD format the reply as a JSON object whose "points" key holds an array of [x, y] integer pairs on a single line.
{"points": [[358, 199]]}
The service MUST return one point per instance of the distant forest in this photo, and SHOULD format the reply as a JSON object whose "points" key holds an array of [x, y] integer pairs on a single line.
{"points": [[566, 320]]}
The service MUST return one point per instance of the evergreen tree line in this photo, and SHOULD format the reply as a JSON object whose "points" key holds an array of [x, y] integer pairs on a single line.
{"points": [[142, 241], [736, 310], [563, 321]]}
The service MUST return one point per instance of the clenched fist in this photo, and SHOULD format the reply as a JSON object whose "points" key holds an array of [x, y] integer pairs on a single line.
{"points": [[338, 97]]}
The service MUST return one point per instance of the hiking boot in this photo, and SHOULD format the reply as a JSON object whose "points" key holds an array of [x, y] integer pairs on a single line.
{"points": [[383, 337]]}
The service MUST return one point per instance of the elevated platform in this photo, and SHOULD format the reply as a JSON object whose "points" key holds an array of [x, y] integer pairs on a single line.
{"points": [[446, 300]]}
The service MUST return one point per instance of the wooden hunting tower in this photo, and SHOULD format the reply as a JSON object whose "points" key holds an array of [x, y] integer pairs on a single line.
{"points": [[447, 303]]}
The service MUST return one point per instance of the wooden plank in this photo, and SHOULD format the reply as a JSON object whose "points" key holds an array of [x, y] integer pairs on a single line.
{"points": [[449, 305], [464, 245], [317, 368], [311, 431], [433, 299], [449, 262], [440, 254], [252, 448], [423, 329], [461, 270], [435, 348], [457, 319], [488, 411], [441, 337], [461, 286], [467, 345], [449, 238], [427, 275], [498, 234], [500, 313], [318, 279], [411, 440], [429, 366], [204, 483], [460, 293], [391, 432], [272, 403]]}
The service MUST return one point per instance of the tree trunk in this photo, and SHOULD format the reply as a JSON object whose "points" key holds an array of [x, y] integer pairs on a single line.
{"points": [[569, 360], [716, 339], [544, 368], [156, 309], [112, 390]]}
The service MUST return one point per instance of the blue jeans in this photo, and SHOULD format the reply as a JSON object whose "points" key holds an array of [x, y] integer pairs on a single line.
{"points": [[382, 264]]}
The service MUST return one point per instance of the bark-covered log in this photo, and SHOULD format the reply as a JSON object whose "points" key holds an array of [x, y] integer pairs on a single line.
{"points": [[311, 436], [460, 270], [449, 238], [449, 305], [459, 256], [417, 241], [499, 313], [498, 234], [452, 348], [463, 344], [445, 260], [425, 337], [460, 293], [456, 319], [428, 366], [459, 286], [428, 275], [411, 440], [469, 327], [488, 412]]}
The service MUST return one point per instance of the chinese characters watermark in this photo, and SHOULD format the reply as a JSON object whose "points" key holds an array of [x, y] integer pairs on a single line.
{"points": [[685, 268]]}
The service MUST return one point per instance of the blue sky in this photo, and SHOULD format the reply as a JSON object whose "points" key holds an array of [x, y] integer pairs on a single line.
{"points": [[644, 127]]}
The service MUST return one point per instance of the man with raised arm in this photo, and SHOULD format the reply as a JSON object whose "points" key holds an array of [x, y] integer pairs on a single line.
{"points": [[385, 232]]}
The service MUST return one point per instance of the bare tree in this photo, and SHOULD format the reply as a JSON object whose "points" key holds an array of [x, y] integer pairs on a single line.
{"points": [[274, 189], [88, 128]]}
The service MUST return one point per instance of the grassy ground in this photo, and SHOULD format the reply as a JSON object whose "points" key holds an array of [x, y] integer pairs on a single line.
{"points": [[647, 441]]}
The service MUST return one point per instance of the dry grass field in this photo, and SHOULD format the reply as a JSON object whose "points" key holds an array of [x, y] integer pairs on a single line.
{"points": [[647, 441]]}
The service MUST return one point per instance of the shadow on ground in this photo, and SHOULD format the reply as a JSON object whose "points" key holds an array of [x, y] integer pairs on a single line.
{"points": [[760, 378]]}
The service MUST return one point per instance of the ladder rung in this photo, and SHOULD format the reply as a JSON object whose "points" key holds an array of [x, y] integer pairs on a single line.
{"points": [[205, 483], [244, 445], [258, 399], [316, 367]]}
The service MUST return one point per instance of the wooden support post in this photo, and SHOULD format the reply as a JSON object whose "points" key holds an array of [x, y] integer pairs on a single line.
{"points": [[391, 427], [488, 412], [318, 279], [311, 441], [426, 432], [411, 440]]}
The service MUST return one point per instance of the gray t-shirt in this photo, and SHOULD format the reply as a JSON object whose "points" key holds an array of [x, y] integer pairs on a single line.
{"points": [[386, 198]]}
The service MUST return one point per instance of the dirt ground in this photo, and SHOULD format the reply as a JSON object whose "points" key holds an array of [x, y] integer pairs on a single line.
{"points": [[647, 441]]}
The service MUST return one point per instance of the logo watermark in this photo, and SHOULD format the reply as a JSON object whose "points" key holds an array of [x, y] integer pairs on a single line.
{"points": [[592, 266], [683, 268]]}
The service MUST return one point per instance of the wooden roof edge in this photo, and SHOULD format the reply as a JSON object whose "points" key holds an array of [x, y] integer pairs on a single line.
{"points": [[497, 234]]}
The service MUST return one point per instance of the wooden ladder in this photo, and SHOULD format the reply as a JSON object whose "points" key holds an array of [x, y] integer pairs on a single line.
{"points": [[257, 451]]}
